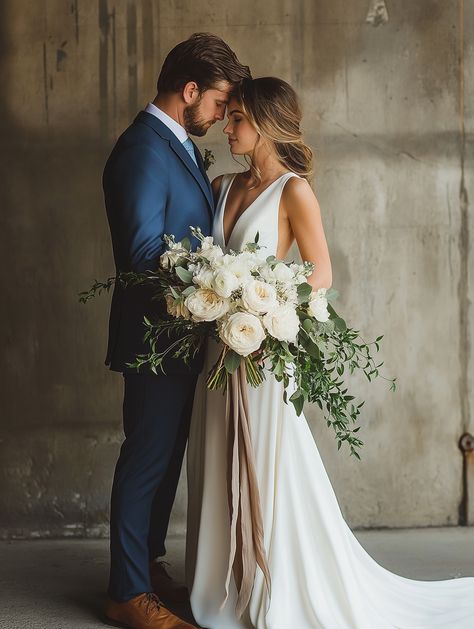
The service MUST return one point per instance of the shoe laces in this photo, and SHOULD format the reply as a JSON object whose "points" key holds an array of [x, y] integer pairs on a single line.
{"points": [[152, 604]]}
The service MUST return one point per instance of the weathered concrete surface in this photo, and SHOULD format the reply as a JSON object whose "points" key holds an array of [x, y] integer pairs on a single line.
{"points": [[58, 584], [388, 108]]}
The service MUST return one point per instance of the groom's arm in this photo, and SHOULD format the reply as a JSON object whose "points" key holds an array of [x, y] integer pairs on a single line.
{"points": [[135, 189]]}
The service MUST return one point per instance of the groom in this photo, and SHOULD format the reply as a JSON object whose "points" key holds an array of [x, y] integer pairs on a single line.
{"points": [[154, 184]]}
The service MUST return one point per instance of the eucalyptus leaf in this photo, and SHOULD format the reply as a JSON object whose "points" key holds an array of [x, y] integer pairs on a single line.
{"points": [[304, 290], [183, 274], [232, 361], [308, 325], [188, 291], [332, 294]]}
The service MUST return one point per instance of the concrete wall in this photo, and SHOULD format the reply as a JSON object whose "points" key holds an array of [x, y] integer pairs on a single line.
{"points": [[388, 108]]}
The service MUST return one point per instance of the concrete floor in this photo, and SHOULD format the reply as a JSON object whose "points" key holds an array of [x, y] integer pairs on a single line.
{"points": [[60, 584]]}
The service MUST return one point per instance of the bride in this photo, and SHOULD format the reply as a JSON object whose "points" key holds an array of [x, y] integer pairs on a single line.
{"points": [[320, 576]]}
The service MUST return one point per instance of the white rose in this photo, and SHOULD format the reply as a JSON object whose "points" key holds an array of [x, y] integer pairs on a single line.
{"points": [[209, 251], [242, 332], [259, 296], [282, 273], [318, 305], [205, 305], [225, 282], [282, 323], [226, 259], [251, 259], [237, 266], [176, 307], [204, 277]]}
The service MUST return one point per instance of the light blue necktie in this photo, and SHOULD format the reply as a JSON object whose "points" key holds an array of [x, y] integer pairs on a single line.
{"points": [[188, 145]]}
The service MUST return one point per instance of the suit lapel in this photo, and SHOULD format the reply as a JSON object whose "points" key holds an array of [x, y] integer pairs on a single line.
{"points": [[198, 173], [195, 171]]}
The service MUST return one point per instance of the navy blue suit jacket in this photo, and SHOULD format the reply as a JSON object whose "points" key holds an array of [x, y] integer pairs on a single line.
{"points": [[151, 187]]}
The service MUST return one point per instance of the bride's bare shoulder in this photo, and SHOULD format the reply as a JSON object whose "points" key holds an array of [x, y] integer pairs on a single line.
{"points": [[298, 194], [216, 184]]}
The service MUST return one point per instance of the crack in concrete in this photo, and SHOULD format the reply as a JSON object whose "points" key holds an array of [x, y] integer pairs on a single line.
{"points": [[45, 83], [463, 284], [75, 11], [132, 59], [104, 27]]}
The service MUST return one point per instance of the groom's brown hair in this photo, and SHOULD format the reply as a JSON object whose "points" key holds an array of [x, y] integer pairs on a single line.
{"points": [[203, 58]]}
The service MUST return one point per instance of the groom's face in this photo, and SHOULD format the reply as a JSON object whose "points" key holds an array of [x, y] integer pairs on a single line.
{"points": [[208, 109]]}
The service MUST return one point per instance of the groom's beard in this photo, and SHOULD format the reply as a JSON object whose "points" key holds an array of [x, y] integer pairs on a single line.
{"points": [[193, 123]]}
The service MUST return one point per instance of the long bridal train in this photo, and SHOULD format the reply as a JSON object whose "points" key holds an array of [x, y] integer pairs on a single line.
{"points": [[321, 577]]}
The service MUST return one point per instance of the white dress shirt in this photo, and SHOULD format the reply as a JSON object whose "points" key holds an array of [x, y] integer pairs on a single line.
{"points": [[175, 127]]}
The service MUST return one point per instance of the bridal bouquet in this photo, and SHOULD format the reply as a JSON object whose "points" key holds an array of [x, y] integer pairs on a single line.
{"points": [[267, 319]]}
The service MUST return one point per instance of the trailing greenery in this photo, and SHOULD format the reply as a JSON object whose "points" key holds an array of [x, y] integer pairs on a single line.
{"points": [[313, 362]]}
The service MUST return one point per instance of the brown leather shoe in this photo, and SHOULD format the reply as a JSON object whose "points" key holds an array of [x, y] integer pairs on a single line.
{"points": [[143, 612], [164, 585]]}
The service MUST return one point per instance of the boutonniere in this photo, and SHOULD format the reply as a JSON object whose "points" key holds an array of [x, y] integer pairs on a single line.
{"points": [[208, 159]]}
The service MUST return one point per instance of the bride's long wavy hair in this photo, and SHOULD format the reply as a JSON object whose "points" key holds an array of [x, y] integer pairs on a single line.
{"points": [[272, 107]]}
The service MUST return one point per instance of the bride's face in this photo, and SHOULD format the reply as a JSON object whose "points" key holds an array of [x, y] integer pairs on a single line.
{"points": [[242, 135]]}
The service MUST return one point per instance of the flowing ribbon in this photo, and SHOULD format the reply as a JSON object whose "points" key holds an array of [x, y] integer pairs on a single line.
{"points": [[246, 522]]}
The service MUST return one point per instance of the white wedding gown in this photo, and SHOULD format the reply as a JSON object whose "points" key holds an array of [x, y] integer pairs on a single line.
{"points": [[321, 577]]}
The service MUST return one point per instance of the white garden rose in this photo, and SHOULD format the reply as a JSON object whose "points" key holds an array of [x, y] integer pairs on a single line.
{"points": [[318, 305], [176, 307], [242, 332], [204, 277], [206, 305], [258, 296], [251, 259], [225, 282], [282, 323], [226, 260], [282, 273], [237, 266]]}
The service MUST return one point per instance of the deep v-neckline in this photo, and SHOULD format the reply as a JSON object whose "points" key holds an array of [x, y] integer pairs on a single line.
{"points": [[224, 203]]}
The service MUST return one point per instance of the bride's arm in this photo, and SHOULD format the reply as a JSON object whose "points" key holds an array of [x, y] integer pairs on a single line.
{"points": [[302, 212]]}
